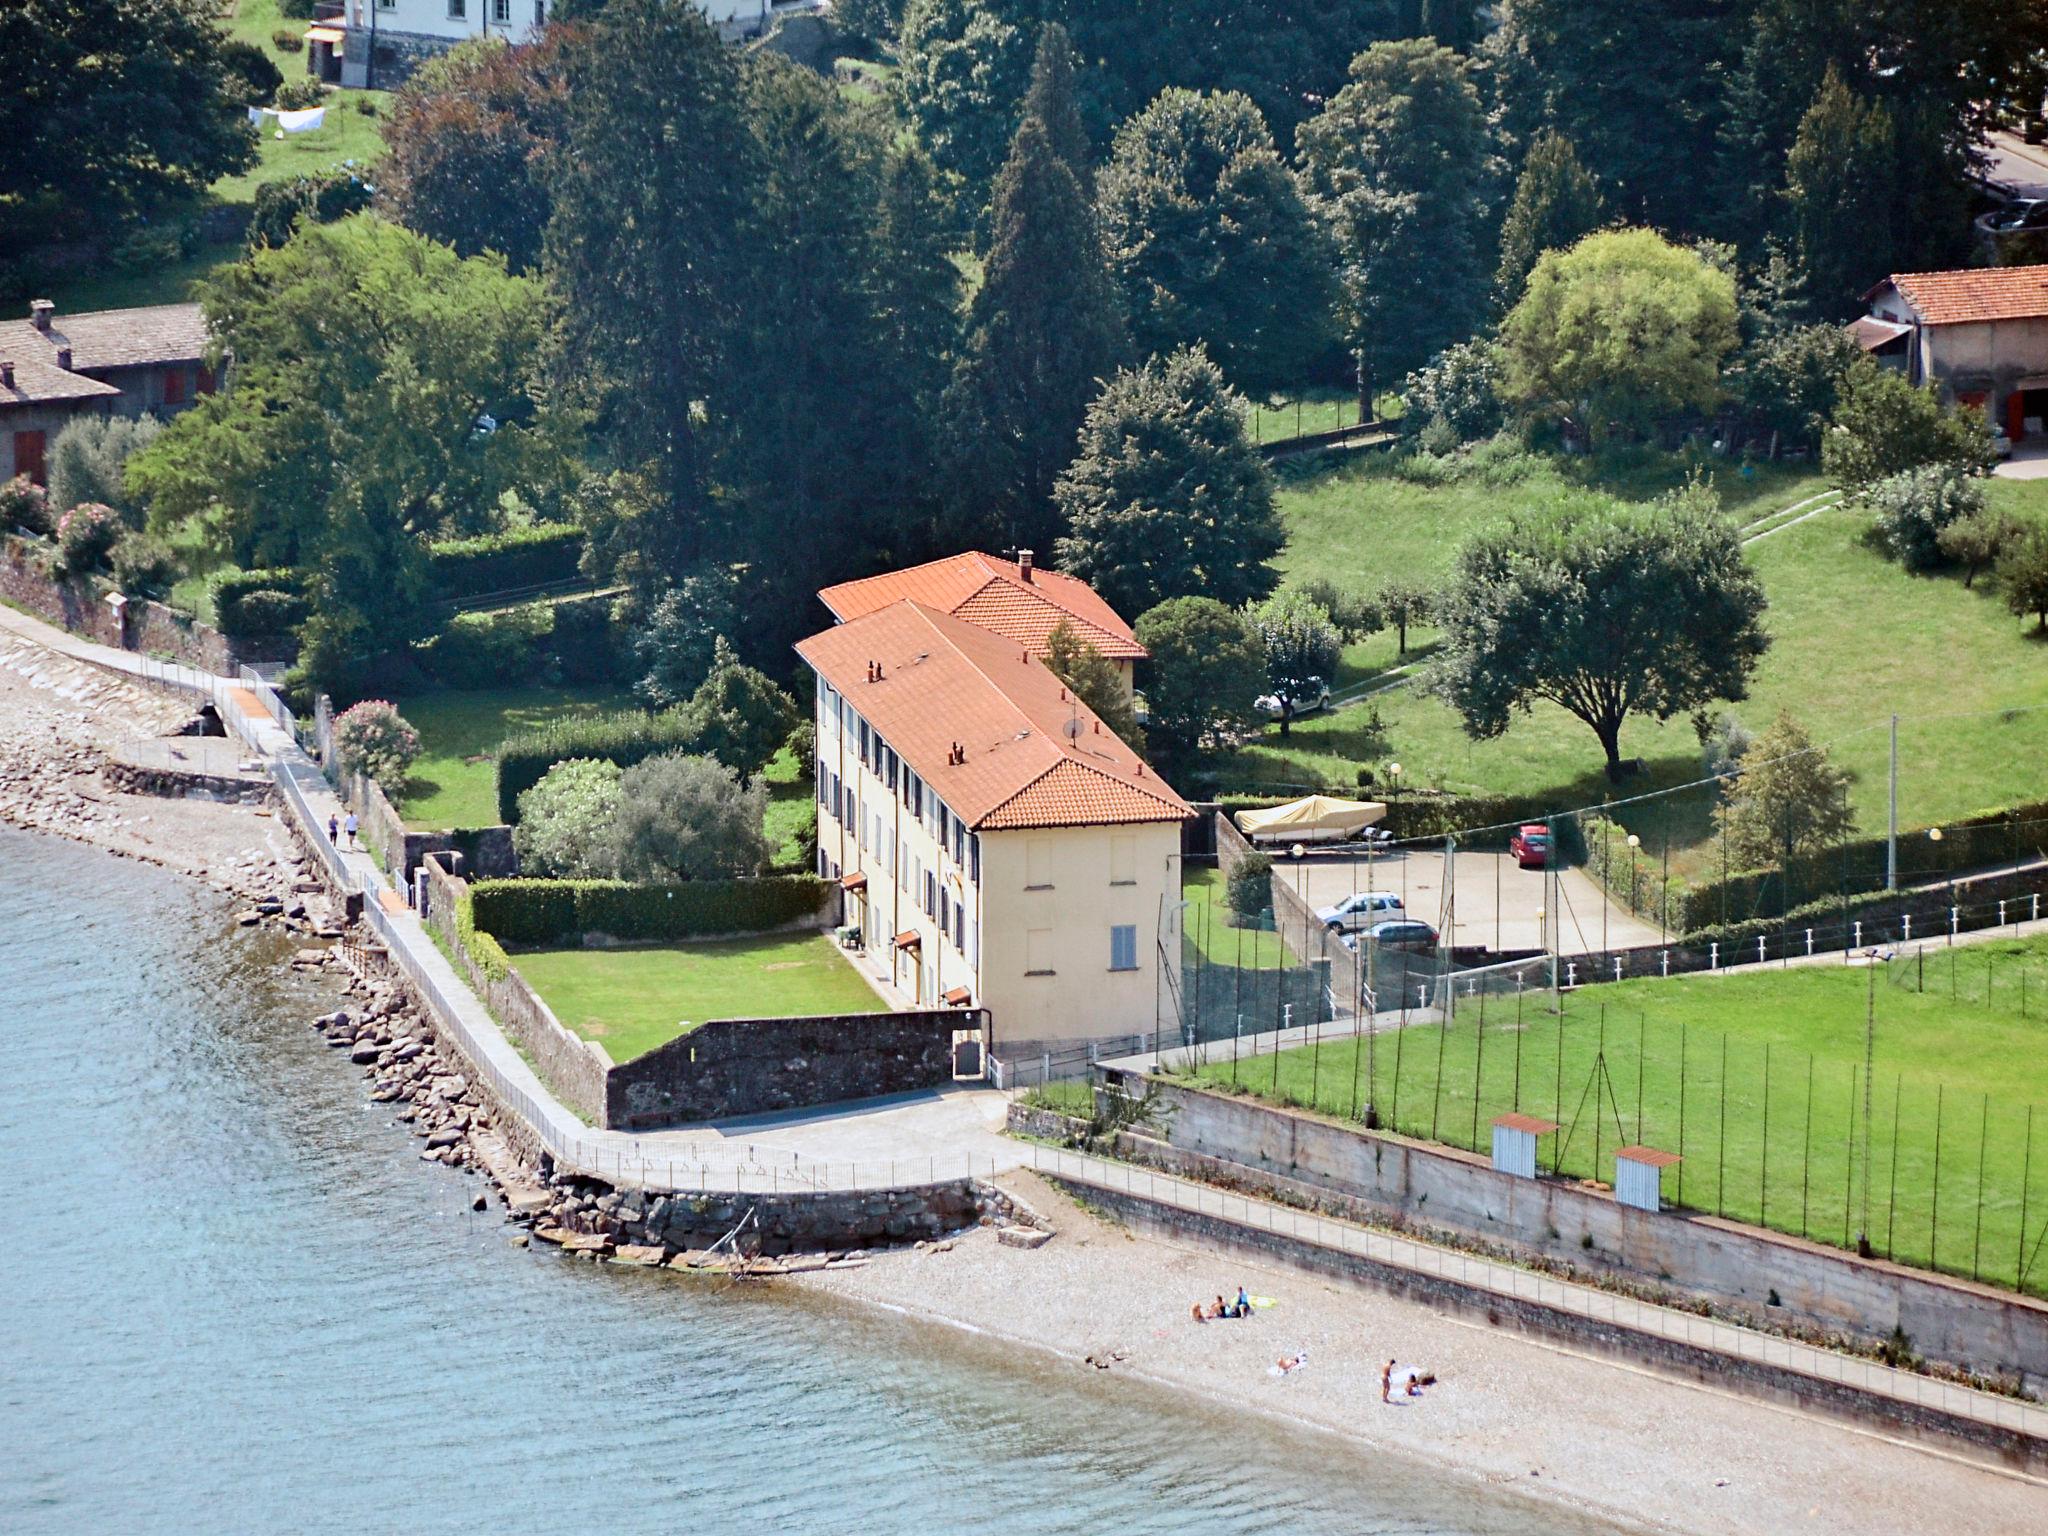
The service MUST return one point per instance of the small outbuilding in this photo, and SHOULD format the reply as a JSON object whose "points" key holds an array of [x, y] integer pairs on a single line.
{"points": [[1980, 334], [1639, 1174], [1514, 1143]]}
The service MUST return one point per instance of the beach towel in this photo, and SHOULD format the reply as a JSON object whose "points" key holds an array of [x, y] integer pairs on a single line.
{"points": [[1260, 1303]]}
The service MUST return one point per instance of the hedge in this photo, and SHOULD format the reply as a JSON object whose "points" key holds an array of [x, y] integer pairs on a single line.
{"points": [[231, 588], [624, 739], [539, 913], [496, 562]]}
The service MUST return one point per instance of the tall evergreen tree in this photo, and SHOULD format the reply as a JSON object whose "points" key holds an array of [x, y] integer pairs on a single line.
{"points": [[1398, 167], [1630, 83], [1454, 23], [1212, 243], [1052, 100], [802, 427], [648, 250], [1841, 181], [1556, 203], [1042, 332]]}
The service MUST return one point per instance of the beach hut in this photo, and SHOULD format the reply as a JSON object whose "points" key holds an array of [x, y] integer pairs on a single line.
{"points": [[1514, 1143], [1311, 819], [1638, 1176]]}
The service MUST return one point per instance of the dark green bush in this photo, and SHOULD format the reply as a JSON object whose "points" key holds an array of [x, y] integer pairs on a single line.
{"points": [[285, 40], [585, 647], [496, 562], [491, 650], [233, 590], [295, 10], [624, 739], [322, 199], [144, 566], [539, 913]]}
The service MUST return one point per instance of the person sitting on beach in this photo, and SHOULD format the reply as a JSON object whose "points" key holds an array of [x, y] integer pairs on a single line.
{"points": [[1244, 1304], [1217, 1309], [1195, 1311], [1414, 1385]]}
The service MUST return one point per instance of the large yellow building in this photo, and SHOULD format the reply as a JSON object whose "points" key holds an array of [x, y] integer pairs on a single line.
{"points": [[998, 845]]}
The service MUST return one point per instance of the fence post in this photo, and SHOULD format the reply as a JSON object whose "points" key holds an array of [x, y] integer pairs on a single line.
{"points": [[1905, 927], [1859, 938], [1954, 917], [1759, 949], [1714, 955], [1665, 957], [1934, 1186]]}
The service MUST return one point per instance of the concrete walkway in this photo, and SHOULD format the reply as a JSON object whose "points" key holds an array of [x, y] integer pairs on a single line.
{"points": [[915, 1139], [1909, 1392]]}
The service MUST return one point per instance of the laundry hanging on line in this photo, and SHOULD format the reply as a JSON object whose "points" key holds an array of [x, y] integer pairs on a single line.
{"points": [[290, 122]]}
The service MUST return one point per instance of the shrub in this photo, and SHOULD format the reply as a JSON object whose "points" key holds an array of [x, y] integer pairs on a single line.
{"points": [[2023, 567], [295, 95], [253, 78], [742, 718], [624, 739], [144, 566], [803, 746], [538, 913], [366, 105], [585, 647], [1460, 389], [687, 817], [88, 461], [320, 199], [1915, 506], [295, 10], [258, 604], [566, 821], [285, 40], [518, 557], [1250, 886], [25, 508], [485, 650], [373, 738], [86, 535]]}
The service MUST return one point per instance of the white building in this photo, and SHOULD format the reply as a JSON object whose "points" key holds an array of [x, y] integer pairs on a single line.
{"points": [[1981, 334], [999, 847], [404, 32]]}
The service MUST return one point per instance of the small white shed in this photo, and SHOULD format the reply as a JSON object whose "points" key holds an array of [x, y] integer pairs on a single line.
{"points": [[1638, 1176], [1514, 1143]]}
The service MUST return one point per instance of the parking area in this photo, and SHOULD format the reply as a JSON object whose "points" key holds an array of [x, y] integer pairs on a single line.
{"points": [[1499, 905]]}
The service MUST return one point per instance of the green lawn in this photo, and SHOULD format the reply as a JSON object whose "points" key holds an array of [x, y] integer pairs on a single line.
{"points": [[790, 816], [455, 781], [1855, 638], [1974, 1060], [1209, 925], [631, 1000]]}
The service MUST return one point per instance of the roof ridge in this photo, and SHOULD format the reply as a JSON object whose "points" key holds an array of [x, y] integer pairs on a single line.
{"points": [[1075, 760], [928, 615]]}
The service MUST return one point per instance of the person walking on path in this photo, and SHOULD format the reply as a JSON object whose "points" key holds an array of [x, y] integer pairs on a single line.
{"points": [[350, 827], [334, 830]]}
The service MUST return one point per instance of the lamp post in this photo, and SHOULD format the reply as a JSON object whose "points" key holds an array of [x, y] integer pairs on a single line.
{"points": [[1634, 846], [1298, 853]]}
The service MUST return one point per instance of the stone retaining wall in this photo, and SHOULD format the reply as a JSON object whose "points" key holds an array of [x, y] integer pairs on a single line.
{"points": [[486, 851], [79, 605], [756, 1066], [1709, 1367], [1774, 1279]]}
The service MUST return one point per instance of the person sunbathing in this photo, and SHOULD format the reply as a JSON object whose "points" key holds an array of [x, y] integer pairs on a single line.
{"points": [[1287, 1365]]}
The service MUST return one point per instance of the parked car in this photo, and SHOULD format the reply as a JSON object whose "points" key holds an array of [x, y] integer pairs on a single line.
{"points": [[1530, 846], [1360, 910], [1310, 697], [2018, 217], [1407, 934]]}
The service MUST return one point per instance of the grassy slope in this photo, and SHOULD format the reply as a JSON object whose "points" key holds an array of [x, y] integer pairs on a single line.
{"points": [[632, 1000], [1855, 638], [348, 134], [454, 784], [1977, 1051], [1208, 923]]}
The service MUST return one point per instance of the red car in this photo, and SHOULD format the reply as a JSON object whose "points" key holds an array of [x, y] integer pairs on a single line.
{"points": [[1531, 846]]}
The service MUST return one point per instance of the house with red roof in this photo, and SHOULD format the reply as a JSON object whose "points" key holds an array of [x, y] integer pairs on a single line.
{"points": [[1980, 333], [998, 846]]}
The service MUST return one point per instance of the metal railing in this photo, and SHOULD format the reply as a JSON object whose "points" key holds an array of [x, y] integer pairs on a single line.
{"points": [[254, 681], [1490, 1277]]}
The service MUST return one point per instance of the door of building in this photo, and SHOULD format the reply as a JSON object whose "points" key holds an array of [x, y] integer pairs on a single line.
{"points": [[28, 455]]}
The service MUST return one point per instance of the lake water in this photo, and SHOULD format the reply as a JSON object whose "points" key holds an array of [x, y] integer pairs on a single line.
{"points": [[233, 1299]]}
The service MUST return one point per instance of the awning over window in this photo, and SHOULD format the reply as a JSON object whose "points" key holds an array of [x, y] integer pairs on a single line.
{"points": [[332, 35], [959, 997], [857, 881], [908, 939]]}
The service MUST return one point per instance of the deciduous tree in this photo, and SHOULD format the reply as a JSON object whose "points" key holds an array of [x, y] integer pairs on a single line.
{"points": [[1976, 540], [1604, 610], [1095, 680], [1397, 166], [1302, 646], [1212, 243], [1884, 425], [1205, 674], [1787, 798], [1167, 496], [1620, 329], [2023, 570], [566, 827], [689, 818], [965, 65]]}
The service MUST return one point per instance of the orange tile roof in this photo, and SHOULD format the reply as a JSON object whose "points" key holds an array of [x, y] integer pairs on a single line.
{"points": [[945, 682], [1974, 294], [995, 594]]}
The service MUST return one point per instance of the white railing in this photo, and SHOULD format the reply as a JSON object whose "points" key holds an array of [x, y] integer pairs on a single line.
{"points": [[1512, 1282], [251, 679]]}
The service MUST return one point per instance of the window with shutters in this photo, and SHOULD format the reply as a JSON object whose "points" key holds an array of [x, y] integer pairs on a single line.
{"points": [[28, 456], [174, 386], [1123, 947]]}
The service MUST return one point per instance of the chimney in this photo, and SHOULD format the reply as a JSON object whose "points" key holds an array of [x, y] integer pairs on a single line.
{"points": [[7, 374], [64, 358], [1024, 564], [39, 313]]}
